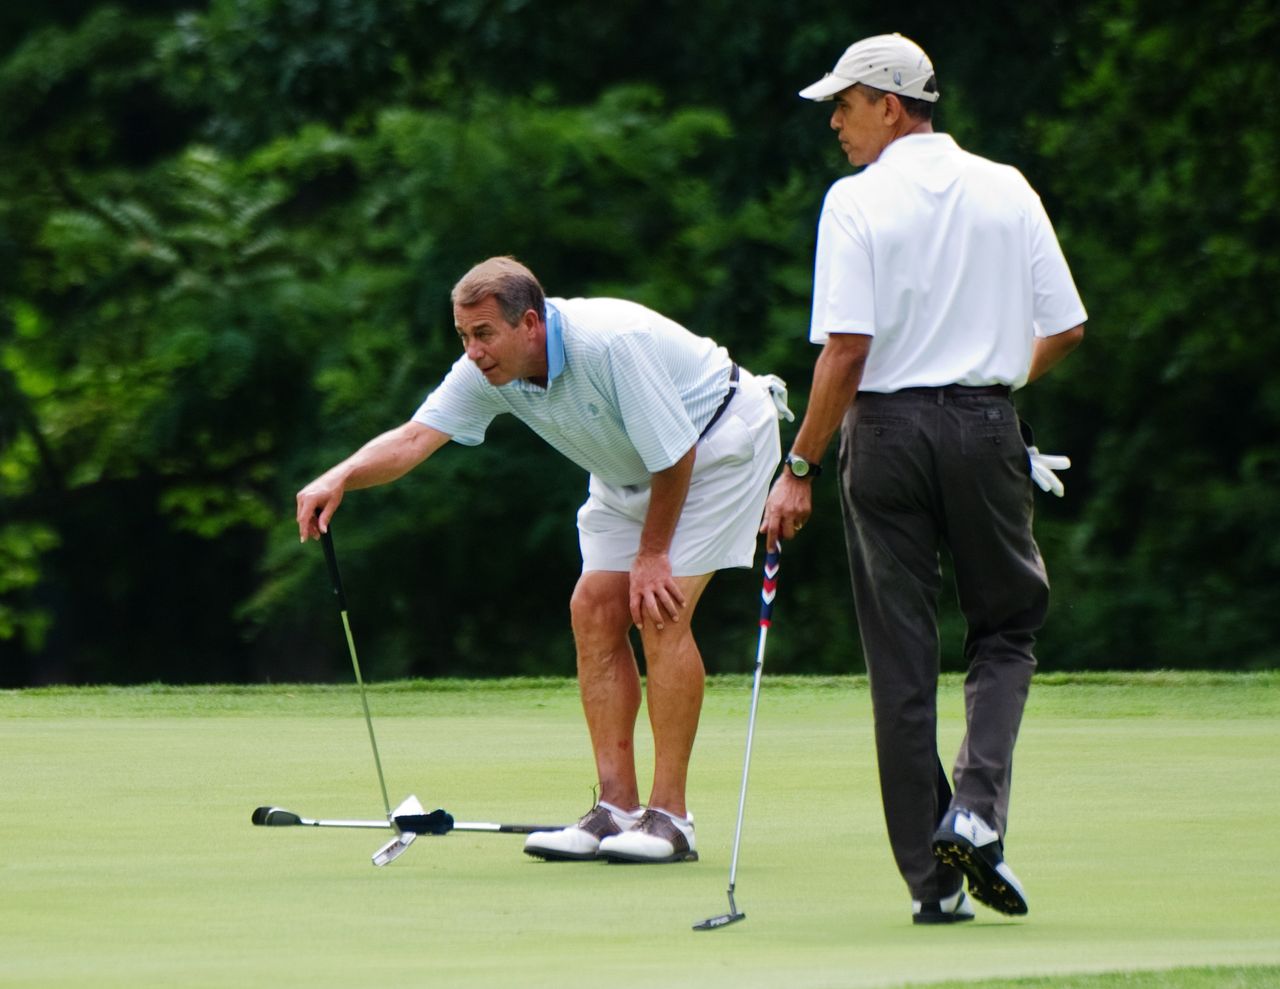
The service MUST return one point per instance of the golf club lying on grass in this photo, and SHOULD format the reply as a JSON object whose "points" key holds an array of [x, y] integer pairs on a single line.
{"points": [[767, 593], [409, 819], [437, 822]]}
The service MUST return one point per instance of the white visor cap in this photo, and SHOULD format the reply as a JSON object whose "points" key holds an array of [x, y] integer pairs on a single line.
{"points": [[887, 61]]}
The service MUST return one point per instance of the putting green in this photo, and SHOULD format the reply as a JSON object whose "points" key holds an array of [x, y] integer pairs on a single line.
{"points": [[1143, 826]]}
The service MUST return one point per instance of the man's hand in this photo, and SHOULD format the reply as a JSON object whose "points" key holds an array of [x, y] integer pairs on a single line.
{"points": [[655, 595], [789, 506], [316, 504]]}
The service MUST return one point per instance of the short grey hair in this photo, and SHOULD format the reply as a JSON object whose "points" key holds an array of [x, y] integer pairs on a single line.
{"points": [[515, 288]]}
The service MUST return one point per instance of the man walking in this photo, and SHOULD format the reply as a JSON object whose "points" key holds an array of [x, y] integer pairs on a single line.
{"points": [[680, 444], [939, 288]]}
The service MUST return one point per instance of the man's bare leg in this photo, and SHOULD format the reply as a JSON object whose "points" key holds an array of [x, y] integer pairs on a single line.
{"points": [[608, 680], [609, 683], [675, 680]]}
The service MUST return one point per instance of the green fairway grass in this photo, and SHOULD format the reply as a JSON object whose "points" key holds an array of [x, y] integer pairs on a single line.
{"points": [[1143, 824]]}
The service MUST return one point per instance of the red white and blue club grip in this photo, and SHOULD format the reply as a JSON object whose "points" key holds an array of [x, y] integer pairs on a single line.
{"points": [[770, 588]]}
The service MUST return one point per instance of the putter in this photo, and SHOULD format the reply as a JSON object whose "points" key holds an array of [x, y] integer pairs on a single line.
{"points": [[396, 847], [438, 822], [767, 593]]}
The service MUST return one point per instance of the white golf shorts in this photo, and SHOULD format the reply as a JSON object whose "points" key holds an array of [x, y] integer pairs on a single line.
{"points": [[718, 527]]}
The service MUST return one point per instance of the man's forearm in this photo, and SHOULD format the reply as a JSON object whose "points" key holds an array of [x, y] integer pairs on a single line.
{"points": [[836, 377], [379, 461], [387, 457], [1050, 350], [667, 492]]}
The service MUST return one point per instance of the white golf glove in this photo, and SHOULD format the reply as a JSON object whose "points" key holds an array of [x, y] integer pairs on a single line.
{"points": [[778, 392], [1043, 466]]}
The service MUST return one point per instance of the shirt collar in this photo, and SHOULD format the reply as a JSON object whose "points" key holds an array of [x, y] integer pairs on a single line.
{"points": [[909, 143], [555, 343]]}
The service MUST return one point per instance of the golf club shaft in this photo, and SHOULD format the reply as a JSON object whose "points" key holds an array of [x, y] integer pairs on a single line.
{"points": [[746, 762], [767, 592], [331, 557], [428, 823]]}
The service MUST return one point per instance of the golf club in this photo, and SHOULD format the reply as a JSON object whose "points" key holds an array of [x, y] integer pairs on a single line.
{"points": [[767, 593], [396, 847], [409, 819], [438, 822]]}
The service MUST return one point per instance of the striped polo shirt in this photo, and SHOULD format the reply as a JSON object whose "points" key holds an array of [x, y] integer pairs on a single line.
{"points": [[628, 390]]}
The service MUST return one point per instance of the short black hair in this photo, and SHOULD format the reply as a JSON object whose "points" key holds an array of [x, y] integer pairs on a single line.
{"points": [[914, 108]]}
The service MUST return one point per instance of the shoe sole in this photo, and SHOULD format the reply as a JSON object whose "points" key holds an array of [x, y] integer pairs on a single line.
{"points": [[940, 918], [621, 858], [986, 885], [548, 855]]}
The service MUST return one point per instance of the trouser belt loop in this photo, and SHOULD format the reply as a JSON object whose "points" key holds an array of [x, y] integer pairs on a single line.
{"points": [[733, 387]]}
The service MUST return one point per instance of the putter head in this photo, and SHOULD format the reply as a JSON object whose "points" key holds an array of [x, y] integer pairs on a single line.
{"points": [[723, 920], [275, 817], [393, 849]]}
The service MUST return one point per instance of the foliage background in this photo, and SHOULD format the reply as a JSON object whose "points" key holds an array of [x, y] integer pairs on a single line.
{"points": [[228, 230]]}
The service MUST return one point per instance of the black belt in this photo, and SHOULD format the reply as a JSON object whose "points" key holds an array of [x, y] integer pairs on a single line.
{"points": [[733, 387], [956, 391]]}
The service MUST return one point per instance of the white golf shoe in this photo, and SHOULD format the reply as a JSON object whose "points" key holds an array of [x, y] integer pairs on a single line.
{"points": [[656, 837], [581, 842], [968, 843]]}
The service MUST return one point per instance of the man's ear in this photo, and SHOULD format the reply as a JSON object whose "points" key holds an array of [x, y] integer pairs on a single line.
{"points": [[891, 110], [530, 321]]}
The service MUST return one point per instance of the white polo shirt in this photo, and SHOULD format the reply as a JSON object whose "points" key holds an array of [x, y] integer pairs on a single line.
{"points": [[628, 390], [948, 260]]}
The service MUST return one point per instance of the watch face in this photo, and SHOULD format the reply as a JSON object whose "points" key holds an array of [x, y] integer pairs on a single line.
{"points": [[799, 466]]}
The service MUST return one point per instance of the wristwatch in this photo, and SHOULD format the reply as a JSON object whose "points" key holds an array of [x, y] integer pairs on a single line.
{"points": [[802, 468]]}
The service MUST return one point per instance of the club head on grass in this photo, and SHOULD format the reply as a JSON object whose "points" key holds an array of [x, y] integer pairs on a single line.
{"points": [[393, 849], [723, 920], [275, 817]]}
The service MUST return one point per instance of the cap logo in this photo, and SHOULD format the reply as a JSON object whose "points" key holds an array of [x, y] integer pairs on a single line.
{"points": [[897, 78]]}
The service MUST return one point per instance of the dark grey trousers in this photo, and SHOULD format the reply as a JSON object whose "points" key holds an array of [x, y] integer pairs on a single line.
{"points": [[921, 468]]}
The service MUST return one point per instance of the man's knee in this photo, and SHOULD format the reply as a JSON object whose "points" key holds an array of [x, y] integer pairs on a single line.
{"points": [[674, 642], [599, 606]]}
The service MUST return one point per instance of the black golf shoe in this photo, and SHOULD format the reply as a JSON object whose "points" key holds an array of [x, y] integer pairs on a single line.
{"points": [[951, 910], [966, 842]]}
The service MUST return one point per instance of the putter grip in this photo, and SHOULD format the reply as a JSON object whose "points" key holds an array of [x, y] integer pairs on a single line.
{"points": [[770, 589], [331, 558]]}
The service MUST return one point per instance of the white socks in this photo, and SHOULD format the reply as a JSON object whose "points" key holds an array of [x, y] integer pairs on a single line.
{"points": [[625, 818]]}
